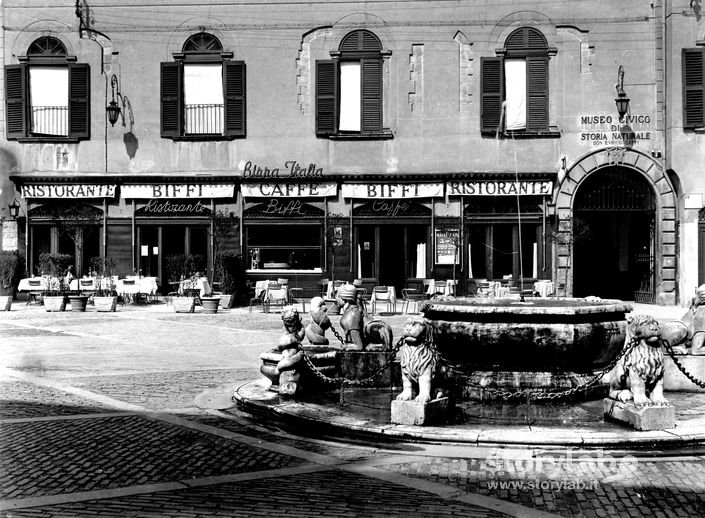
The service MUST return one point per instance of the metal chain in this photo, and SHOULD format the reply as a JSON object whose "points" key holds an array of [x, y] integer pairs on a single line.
{"points": [[530, 395], [687, 374], [337, 335]]}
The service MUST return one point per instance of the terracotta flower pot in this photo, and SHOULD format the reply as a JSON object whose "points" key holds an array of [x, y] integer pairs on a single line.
{"points": [[55, 303], [210, 304], [105, 304], [78, 302]]}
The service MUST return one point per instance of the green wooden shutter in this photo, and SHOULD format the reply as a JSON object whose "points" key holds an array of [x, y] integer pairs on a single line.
{"points": [[79, 100], [16, 101], [693, 88], [492, 93], [234, 90], [371, 95], [326, 97], [537, 93], [171, 99]]}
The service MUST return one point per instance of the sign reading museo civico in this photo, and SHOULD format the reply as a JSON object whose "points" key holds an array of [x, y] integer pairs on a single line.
{"points": [[601, 129]]}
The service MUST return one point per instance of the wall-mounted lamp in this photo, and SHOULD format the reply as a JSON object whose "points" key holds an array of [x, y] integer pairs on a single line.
{"points": [[14, 209], [622, 101], [113, 109]]}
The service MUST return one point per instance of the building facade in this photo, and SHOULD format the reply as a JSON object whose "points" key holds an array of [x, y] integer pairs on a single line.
{"points": [[464, 140]]}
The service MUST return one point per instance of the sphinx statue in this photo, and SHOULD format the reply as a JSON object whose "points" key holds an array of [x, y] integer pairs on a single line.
{"points": [[360, 329]]}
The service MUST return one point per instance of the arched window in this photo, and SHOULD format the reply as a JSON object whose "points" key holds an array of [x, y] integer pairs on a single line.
{"points": [[515, 86], [48, 95], [349, 89], [203, 92]]}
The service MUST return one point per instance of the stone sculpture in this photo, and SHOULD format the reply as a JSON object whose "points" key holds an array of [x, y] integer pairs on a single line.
{"points": [[292, 353], [316, 329], [694, 319], [638, 376], [419, 360], [360, 330]]}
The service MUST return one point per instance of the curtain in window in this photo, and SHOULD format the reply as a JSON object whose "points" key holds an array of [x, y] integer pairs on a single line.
{"points": [[470, 275], [203, 98], [49, 94], [421, 260], [349, 97], [515, 85]]}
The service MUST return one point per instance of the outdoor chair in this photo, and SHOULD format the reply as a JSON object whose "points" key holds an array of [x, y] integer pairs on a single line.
{"points": [[439, 288], [258, 300], [295, 296], [381, 294], [275, 295], [36, 292], [413, 293], [324, 287]]}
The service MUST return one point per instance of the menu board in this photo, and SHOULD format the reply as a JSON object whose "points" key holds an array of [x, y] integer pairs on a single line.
{"points": [[447, 240]]}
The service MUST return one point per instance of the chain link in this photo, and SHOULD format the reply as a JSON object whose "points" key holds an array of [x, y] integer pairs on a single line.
{"points": [[529, 395], [687, 374]]}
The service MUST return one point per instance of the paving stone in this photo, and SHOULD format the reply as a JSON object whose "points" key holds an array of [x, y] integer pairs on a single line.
{"points": [[19, 400], [70, 455]]}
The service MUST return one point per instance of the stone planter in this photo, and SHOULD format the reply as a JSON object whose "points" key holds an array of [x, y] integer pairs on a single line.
{"points": [[105, 304], [210, 304], [183, 304], [78, 302], [226, 301], [55, 303], [5, 302]]}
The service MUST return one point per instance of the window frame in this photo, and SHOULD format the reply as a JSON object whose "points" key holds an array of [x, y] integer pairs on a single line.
{"points": [[537, 53], [693, 83], [171, 85], [328, 88], [18, 120]]}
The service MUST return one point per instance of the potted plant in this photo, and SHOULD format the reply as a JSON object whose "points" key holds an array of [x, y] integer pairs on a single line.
{"points": [[53, 268], [232, 278], [10, 268], [184, 300], [105, 299]]}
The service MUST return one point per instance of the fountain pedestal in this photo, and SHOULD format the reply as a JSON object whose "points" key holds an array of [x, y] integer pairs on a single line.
{"points": [[643, 418], [415, 413]]}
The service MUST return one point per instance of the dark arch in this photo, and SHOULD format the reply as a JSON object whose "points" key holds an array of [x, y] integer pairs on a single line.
{"points": [[46, 46], [615, 188], [203, 42], [360, 41]]}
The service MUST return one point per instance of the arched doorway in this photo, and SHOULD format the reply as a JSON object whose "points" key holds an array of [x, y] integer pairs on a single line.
{"points": [[614, 217]]}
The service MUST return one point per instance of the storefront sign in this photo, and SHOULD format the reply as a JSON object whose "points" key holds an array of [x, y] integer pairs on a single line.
{"points": [[288, 190], [68, 191], [607, 130], [447, 246], [291, 169], [173, 208], [166, 191], [391, 191], [501, 188]]}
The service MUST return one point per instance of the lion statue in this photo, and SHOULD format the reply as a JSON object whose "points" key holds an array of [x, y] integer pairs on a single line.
{"points": [[419, 360], [360, 329], [316, 329], [638, 376]]}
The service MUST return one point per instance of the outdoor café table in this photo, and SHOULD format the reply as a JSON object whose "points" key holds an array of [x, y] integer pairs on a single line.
{"points": [[132, 286], [544, 288], [200, 284], [448, 289], [32, 284]]}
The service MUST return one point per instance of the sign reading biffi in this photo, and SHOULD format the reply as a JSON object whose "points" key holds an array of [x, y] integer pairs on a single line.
{"points": [[391, 191], [167, 191]]}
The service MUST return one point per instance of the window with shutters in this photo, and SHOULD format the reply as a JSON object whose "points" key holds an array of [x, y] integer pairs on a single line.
{"points": [[514, 84], [47, 95], [694, 88], [349, 89], [203, 92]]}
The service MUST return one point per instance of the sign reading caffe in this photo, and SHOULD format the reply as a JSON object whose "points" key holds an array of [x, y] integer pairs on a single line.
{"points": [[288, 190]]}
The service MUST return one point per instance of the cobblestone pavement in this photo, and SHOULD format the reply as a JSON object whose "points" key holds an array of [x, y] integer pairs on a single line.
{"points": [[97, 418]]}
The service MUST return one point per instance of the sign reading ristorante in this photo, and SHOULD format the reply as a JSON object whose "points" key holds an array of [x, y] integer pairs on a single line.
{"points": [[169, 190], [288, 190], [501, 188], [68, 191]]}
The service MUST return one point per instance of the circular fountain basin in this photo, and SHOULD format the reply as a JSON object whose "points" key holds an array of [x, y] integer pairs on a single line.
{"points": [[539, 335]]}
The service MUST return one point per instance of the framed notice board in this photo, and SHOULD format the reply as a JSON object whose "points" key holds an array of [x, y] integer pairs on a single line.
{"points": [[447, 251]]}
